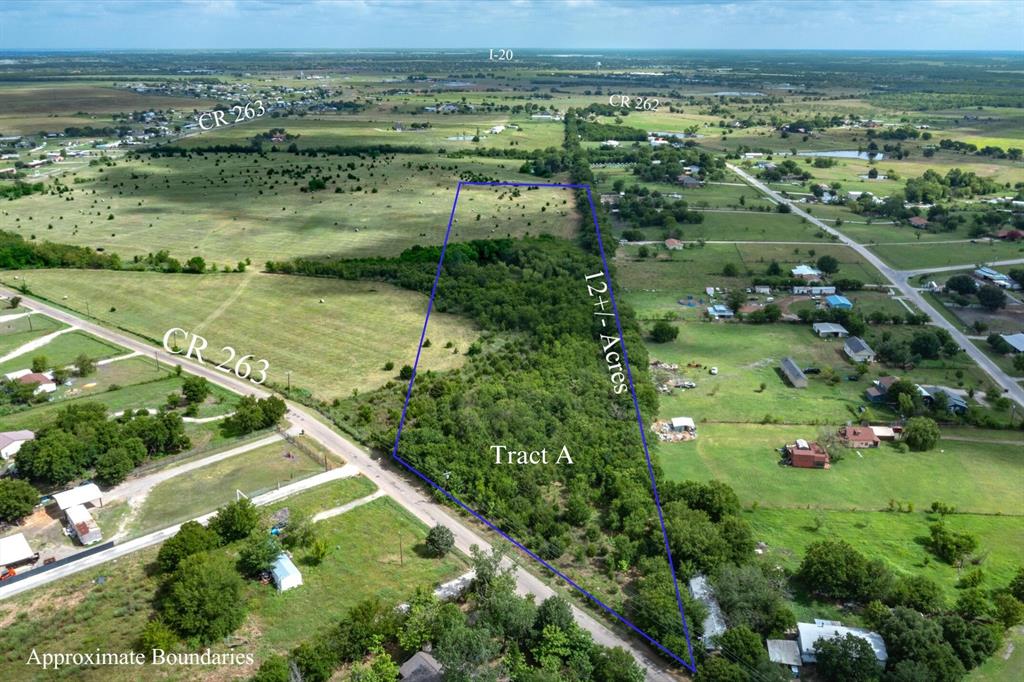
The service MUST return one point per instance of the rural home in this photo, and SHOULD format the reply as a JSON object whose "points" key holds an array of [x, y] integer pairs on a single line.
{"points": [[1010, 235], [11, 442], [421, 667], [719, 311], [858, 437], [15, 551], [73, 503], [997, 278], [43, 383], [714, 623], [809, 633], [762, 289], [877, 393], [794, 375], [806, 272], [673, 244], [955, 403], [918, 222], [785, 652], [807, 455], [830, 330], [688, 181], [839, 302], [285, 573], [858, 350]]}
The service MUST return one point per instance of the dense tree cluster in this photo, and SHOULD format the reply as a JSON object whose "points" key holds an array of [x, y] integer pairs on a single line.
{"points": [[82, 438], [16, 254], [253, 414]]}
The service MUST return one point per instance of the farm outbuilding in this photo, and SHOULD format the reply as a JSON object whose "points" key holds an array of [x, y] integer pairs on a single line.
{"points": [[794, 375], [83, 524], [82, 495], [784, 652], [714, 623], [839, 302], [858, 350], [807, 455], [830, 330], [1016, 341], [421, 667], [285, 573], [806, 272], [15, 551]]}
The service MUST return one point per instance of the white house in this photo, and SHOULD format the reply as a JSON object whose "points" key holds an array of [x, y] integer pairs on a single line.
{"points": [[11, 442], [496, 129], [810, 633], [806, 272], [285, 573]]}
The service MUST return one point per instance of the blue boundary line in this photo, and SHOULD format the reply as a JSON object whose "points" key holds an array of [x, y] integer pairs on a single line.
{"points": [[636, 406]]}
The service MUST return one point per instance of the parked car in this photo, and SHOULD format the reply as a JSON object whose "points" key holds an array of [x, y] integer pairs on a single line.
{"points": [[812, 370]]}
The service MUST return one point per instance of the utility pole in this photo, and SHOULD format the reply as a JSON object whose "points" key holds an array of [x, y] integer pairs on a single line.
{"points": [[156, 361], [289, 373], [401, 552], [88, 309]]}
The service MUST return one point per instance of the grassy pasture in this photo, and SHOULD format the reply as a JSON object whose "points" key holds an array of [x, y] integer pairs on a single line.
{"points": [[654, 285], [976, 477], [924, 255], [898, 539], [226, 208], [64, 350], [16, 333], [344, 131], [204, 489], [331, 348]]}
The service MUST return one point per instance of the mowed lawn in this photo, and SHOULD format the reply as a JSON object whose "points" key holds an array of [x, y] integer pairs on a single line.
{"points": [[63, 350], [16, 333], [79, 614], [207, 488], [976, 477], [899, 539], [330, 348], [925, 255], [230, 207]]}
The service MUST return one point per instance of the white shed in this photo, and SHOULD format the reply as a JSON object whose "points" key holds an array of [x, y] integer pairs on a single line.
{"points": [[82, 495], [285, 573], [84, 525], [683, 424], [14, 549]]}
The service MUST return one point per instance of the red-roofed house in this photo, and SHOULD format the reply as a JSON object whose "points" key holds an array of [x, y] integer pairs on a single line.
{"points": [[807, 455], [858, 437]]}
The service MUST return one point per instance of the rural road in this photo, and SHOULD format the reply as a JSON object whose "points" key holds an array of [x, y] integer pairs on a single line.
{"points": [[409, 495], [899, 279]]}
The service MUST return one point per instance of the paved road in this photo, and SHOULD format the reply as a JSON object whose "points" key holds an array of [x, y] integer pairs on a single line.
{"points": [[951, 268], [899, 279], [120, 550], [410, 496]]}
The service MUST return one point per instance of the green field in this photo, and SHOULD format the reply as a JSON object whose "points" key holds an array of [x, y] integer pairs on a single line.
{"points": [[78, 614], [330, 348], [896, 538], [924, 255], [202, 490], [974, 477], [226, 208], [16, 333], [63, 350]]}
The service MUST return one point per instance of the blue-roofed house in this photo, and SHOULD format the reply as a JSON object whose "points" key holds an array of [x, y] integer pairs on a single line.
{"points": [[285, 573], [838, 302], [719, 311], [1016, 341], [955, 403]]}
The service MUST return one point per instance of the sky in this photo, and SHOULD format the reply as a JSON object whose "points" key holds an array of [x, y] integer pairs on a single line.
{"points": [[557, 24]]}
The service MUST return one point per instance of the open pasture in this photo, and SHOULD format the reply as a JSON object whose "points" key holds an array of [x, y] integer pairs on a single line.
{"points": [[330, 348], [229, 207]]}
